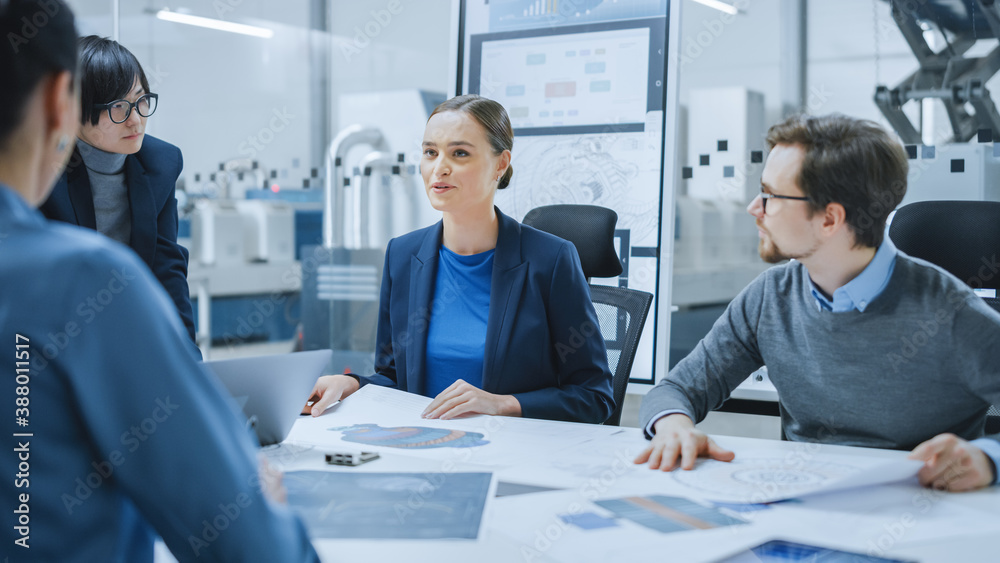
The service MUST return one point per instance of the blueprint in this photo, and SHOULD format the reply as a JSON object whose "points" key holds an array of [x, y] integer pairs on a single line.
{"points": [[761, 478], [348, 505], [410, 437], [485, 440]]}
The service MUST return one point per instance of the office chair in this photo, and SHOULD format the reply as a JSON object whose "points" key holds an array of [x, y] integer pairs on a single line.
{"points": [[621, 312], [957, 236]]}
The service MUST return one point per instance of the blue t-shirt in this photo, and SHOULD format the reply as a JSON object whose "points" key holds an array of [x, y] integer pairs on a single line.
{"points": [[456, 339]]}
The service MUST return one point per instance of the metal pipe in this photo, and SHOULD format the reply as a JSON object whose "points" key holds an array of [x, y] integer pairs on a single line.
{"points": [[116, 19], [386, 164], [332, 193], [382, 163]]}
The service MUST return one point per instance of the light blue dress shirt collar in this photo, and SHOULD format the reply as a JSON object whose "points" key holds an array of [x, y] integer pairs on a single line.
{"points": [[860, 291]]}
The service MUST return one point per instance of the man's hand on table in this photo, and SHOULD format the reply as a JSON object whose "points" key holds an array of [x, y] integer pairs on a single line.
{"points": [[953, 464], [675, 439], [950, 463]]}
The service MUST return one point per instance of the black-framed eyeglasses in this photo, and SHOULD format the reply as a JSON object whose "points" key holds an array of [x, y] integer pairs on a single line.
{"points": [[764, 196], [120, 110]]}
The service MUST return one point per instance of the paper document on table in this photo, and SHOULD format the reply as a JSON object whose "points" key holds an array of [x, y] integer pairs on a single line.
{"points": [[757, 477], [424, 506], [388, 420], [382, 404]]}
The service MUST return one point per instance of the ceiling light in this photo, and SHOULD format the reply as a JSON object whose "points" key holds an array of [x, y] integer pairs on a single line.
{"points": [[721, 6], [221, 25]]}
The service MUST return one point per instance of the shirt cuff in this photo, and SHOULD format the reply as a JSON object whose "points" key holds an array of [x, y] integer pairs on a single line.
{"points": [[648, 430], [991, 448]]}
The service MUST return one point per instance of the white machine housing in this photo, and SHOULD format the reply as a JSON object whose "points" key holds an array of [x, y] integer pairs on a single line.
{"points": [[268, 230], [400, 116], [734, 117], [964, 171], [216, 233]]}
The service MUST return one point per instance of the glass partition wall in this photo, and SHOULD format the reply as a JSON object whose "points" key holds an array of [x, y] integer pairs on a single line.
{"points": [[254, 92], [257, 105], [267, 89]]}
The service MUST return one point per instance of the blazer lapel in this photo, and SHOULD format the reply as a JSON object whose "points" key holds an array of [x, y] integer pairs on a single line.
{"points": [[144, 225], [423, 269], [506, 285], [81, 197]]}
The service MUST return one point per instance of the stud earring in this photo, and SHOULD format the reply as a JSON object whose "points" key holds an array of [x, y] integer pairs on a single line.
{"points": [[63, 143]]}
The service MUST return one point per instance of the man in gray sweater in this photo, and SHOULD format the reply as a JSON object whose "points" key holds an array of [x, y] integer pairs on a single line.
{"points": [[865, 345]]}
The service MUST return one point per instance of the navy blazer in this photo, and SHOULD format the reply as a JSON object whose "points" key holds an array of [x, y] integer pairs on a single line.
{"points": [[151, 177], [543, 340]]}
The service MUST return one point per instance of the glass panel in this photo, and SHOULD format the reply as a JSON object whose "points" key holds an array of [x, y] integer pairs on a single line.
{"points": [[254, 111], [730, 90], [93, 17], [585, 93]]}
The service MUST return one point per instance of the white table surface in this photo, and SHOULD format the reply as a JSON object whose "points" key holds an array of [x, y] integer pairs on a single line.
{"points": [[527, 527], [903, 519]]}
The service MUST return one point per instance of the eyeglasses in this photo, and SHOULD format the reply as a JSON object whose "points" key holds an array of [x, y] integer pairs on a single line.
{"points": [[766, 196], [120, 110]]}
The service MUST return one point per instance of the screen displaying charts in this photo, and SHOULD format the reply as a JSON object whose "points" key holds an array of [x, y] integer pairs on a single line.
{"points": [[507, 15], [594, 78], [584, 83], [576, 79]]}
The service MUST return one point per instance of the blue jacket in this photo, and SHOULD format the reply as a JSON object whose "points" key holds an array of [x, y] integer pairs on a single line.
{"points": [[151, 175], [543, 340], [126, 435]]}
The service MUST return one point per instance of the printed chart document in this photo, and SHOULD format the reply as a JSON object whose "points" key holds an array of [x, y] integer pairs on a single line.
{"points": [[388, 421], [413, 506], [761, 477]]}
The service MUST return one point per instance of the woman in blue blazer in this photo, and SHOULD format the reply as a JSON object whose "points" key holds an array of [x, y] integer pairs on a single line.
{"points": [[119, 180], [478, 311]]}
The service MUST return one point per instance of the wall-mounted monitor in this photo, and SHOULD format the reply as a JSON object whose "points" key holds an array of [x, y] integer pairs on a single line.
{"points": [[590, 87], [573, 79]]}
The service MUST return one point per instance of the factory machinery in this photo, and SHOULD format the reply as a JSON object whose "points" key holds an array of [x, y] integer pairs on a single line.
{"points": [[267, 260]]}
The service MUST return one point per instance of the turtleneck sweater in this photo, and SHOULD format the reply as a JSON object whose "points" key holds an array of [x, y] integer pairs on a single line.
{"points": [[106, 171]]}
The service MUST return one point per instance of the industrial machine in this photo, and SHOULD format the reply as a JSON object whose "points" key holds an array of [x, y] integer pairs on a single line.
{"points": [[949, 75], [956, 170], [371, 194], [715, 240]]}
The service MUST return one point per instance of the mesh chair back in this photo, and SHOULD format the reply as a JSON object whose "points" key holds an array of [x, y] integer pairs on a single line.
{"points": [[622, 313], [959, 236], [589, 227], [963, 237]]}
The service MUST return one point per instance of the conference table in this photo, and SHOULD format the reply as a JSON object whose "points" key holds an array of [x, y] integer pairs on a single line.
{"points": [[569, 492]]}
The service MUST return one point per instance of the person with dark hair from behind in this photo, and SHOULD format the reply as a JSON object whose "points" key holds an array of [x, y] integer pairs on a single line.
{"points": [[119, 180], [832, 325], [473, 308], [115, 434]]}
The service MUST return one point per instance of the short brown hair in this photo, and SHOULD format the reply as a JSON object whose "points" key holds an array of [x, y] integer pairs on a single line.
{"points": [[492, 117], [853, 162]]}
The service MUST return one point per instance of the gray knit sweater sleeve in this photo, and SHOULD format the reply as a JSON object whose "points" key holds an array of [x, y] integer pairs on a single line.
{"points": [[975, 335], [922, 359], [703, 380]]}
